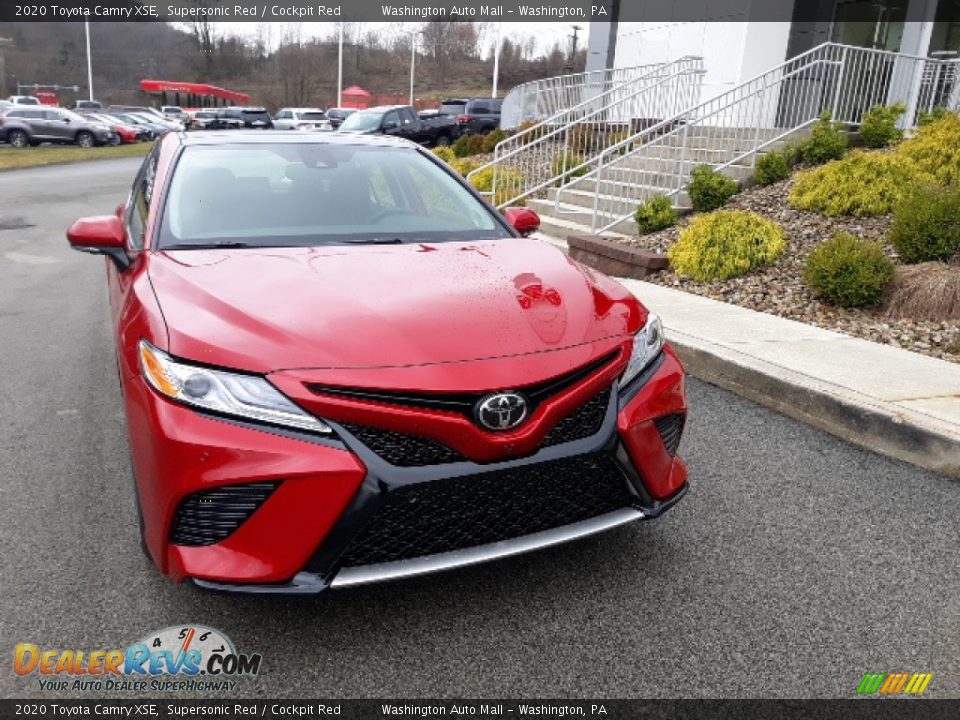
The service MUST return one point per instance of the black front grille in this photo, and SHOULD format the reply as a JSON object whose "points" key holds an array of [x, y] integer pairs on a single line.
{"points": [[205, 518], [464, 403], [402, 449], [670, 428], [457, 513], [582, 422]]}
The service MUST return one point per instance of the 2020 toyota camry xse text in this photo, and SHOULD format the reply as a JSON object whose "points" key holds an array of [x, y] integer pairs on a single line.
{"points": [[339, 364]]}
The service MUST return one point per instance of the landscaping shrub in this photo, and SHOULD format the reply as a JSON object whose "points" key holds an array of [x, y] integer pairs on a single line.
{"points": [[657, 213], [445, 153], [464, 165], [772, 167], [461, 146], [928, 291], [935, 149], [879, 126], [826, 142], [710, 189], [509, 184], [926, 224], [849, 272], [862, 184], [572, 160], [491, 139], [725, 244], [925, 118]]}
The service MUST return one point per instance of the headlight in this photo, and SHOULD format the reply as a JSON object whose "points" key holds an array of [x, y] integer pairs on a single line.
{"points": [[647, 344], [243, 396]]}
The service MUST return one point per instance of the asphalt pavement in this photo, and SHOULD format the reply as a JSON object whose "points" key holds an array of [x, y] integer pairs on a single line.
{"points": [[795, 564]]}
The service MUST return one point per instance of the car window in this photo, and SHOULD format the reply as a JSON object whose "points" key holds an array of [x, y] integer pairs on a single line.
{"points": [[362, 121], [392, 118], [138, 206], [313, 116], [480, 108], [407, 117], [284, 115], [52, 115], [452, 109], [307, 194], [27, 114]]}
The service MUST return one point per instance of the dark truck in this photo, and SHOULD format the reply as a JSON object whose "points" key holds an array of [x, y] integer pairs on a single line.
{"points": [[403, 121]]}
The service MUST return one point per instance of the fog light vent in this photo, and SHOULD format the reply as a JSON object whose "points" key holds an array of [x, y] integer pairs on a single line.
{"points": [[207, 517], [670, 428]]}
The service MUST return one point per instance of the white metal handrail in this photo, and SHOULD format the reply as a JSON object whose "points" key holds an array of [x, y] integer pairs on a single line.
{"points": [[539, 99], [729, 130], [541, 156]]}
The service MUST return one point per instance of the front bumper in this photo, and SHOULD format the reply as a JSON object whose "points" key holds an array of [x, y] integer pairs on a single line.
{"points": [[331, 492]]}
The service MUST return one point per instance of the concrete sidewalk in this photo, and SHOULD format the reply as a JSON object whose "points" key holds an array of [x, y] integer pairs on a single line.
{"points": [[892, 401]]}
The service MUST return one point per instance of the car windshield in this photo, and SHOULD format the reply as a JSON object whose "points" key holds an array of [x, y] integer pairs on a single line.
{"points": [[300, 194], [313, 116], [452, 109], [362, 121]]}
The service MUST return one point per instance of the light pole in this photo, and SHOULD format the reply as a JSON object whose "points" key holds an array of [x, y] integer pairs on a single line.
{"points": [[86, 26], [340, 68], [413, 60], [496, 62]]}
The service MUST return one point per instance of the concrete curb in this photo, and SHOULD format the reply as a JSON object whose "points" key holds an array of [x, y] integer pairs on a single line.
{"points": [[867, 424]]}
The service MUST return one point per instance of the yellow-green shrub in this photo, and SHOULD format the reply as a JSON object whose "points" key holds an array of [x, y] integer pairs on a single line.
{"points": [[926, 224], [509, 184], [849, 272], [445, 153], [567, 160], [879, 125], [861, 184], [464, 165], [935, 149], [725, 244]]}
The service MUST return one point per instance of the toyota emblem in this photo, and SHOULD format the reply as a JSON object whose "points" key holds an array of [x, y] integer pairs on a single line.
{"points": [[502, 411]]}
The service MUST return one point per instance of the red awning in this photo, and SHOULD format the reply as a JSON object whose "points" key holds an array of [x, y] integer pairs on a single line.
{"points": [[159, 86], [356, 91]]}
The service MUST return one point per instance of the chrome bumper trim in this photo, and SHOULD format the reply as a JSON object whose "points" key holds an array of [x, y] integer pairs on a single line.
{"points": [[363, 574]]}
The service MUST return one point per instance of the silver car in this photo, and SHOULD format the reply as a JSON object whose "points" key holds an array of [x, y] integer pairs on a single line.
{"points": [[31, 125], [301, 119]]}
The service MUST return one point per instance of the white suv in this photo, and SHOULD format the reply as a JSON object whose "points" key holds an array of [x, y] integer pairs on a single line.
{"points": [[301, 119]]}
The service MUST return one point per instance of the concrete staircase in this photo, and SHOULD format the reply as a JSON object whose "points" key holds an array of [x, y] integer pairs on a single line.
{"points": [[633, 179]]}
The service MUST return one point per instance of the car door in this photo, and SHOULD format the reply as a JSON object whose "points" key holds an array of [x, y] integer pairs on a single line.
{"points": [[390, 125], [59, 126], [35, 119], [410, 126], [284, 120]]}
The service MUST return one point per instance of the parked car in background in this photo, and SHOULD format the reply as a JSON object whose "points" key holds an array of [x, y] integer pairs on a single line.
{"points": [[83, 105], [301, 119], [229, 122], [154, 115], [205, 120], [256, 118], [128, 133], [24, 100], [455, 106], [480, 115], [162, 124], [5, 104], [25, 126], [337, 115], [403, 121], [175, 112], [149, 130]]}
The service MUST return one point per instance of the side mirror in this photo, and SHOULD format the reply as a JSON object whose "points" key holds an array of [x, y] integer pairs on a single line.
{"points": [[100, 235], [524, 220], [392, 125]]}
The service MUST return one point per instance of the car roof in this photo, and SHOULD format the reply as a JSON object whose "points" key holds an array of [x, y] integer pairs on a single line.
{"points": [[245, 137]]}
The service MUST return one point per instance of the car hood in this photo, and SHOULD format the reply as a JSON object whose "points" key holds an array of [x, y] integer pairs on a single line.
{"points": [[368, 306]]}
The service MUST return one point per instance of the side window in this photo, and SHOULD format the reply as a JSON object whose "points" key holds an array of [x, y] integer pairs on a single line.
{"points": [[52, 115], [285, 115], [141, 196], [406, 116], [481, 109], [391, 118]]}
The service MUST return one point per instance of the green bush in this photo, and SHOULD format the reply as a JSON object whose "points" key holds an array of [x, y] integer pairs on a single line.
{"points": [[461, 146], [935, 149], [862, 184], [772, 167], [657, 213], [826, 142], [879, 126], [445, 153], [726, 244], [464, 166], [509, 184], [572, 161], [926, 224], [710, 189], [925, 118], [491, 139], [849, 272]]}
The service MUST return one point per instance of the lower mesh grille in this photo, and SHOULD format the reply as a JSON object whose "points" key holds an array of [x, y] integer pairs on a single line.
{"points": [[402, 449], [670, 428], [581, 423], [456, 513], [208, 517]]}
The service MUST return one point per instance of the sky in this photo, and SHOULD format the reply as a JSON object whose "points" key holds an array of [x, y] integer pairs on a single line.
{"points": [[547, 33]]}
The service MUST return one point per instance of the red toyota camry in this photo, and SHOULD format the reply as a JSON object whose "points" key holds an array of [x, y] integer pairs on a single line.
{"points": [[340, 365]]}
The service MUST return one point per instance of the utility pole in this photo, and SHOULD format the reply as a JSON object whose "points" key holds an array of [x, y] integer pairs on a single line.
{"points": [[86, 25], [340, 67], [496, 62], [4, 42], [574, 38]]}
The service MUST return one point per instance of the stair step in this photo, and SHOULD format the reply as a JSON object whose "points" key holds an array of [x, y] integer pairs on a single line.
{"points": [[625, 201], [576, 215]]}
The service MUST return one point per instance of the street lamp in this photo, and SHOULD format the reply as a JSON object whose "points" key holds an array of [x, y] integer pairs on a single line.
{"points": [[86, 27], [496, 62], [340, 68], [413, 57]]}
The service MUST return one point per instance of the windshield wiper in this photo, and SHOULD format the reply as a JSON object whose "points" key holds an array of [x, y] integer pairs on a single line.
{"points": [[227, 244], [376, 241]]}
